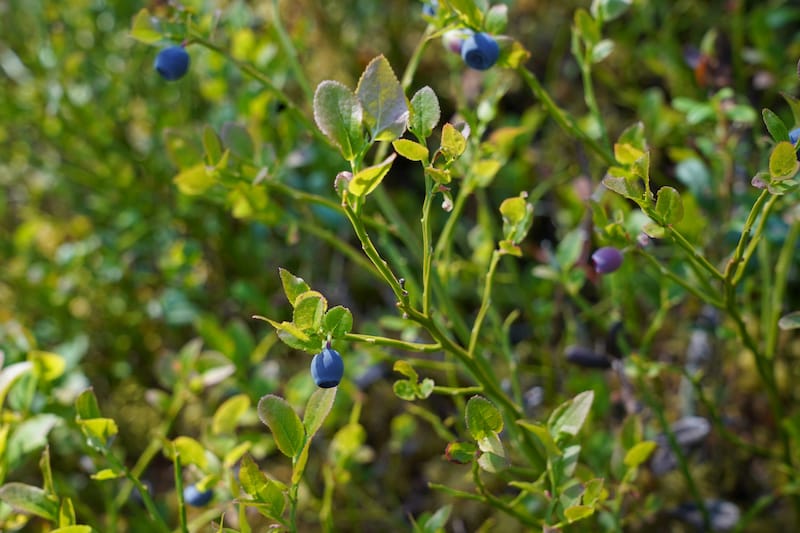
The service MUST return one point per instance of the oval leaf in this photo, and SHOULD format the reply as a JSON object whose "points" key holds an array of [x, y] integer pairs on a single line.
{"points": [[425, 112], [483, 418], [783, 162], [229, 413], [368, 179], [669, 205], [383, 100], [338, 115], [286, 427], [411, 150]]}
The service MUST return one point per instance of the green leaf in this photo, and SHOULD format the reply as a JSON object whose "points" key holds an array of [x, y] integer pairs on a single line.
{"points": [[593, 491], [493, 463], [483, 418], [543, 436], [496, 19], [602, 50], [309, 308], [790, 321], [425, 113], [317, 409], [425, 388], [468, 12], [30, 499], [261, 488], [794, 105], [143, 29], [517, 218], [460, 452], [439, 175], [512, 52], [578, 512], [570, 416], [453, 142], [405, 368], [624, 184], [569, 249], [66, 514], [10, 374], [411, 150], [237, 139], [367, 180], [405, 390], [338, 115], [783, 162], [286, 427], [86, 405], [27, 437], [47, 366], [669, 206], [106, 474], [47, 471], [777, 129], [191, 452], [627, 154], [606, 10], [639, 454], [587, 27], [227, 415], [195, 180], [337, 322], [436, 522], [211, 145], [98, 431], [383, 101], [73, 529], [292, 285]]}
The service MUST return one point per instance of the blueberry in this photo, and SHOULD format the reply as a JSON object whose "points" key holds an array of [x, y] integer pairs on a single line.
{"points": [[480, 51], [793, 136], [172, 63], [606, 259], [327, 368], [192, 496], [430, 9]]}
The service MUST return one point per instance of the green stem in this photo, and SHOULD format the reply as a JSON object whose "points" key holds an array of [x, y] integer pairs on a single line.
{"points": [[564, 120], [427, 249], [782, 268], [591, 99], [734, 263], [694, 254], [664, 271], [485, 303], [179, 490], [751, 246], [393, 343], [456, 391], [147, 499]]}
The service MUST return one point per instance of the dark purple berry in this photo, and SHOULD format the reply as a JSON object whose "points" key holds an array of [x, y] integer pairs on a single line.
{"points": [[172, 63], [578, 355], [606, 259], [480, 51], [194, 497], [327, 368]]}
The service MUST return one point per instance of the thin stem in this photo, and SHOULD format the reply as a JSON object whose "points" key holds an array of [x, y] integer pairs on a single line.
{"points": [[179, 490], [427, 248], [751, 246], [694, 254], [485, 303], [734, 262], [456, 391], [564, 120], [591, 99], [664, 271], [782, 268], [393, 343]]}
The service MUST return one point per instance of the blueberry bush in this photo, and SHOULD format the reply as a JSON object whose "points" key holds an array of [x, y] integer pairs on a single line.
{"points": [[415, 266]]}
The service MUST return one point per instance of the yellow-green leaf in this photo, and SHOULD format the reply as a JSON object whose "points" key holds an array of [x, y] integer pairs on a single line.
{"points": [[227, 416], [143, 29], [367, 180], [195, 180], [410, 150]]}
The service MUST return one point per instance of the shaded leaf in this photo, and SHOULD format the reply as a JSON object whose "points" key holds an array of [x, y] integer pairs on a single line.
{"points": [[425, 113], [287, 429], [669, 205], [29, 499], [339, 114], [383, 101], [483, 418]]}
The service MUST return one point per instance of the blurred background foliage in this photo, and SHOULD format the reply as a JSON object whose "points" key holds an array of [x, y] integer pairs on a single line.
{"points": [[104, 261]]}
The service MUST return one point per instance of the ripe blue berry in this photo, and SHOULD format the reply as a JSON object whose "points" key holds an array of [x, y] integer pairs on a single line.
{"points": [[480, 51], [606, 260], [793, 136], [327, 368], [172, 63], [430, 9], [192, 496]]}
